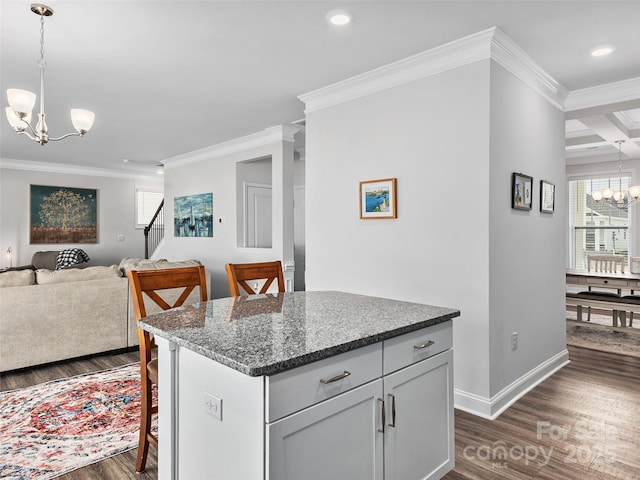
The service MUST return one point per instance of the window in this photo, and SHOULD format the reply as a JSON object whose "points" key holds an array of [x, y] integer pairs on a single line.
{"points": [[597, 226], [147, 201]]}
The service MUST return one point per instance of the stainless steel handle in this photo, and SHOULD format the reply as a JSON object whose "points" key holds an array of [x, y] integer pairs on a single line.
{"points": [[344, 374], [393, 410], [424, 345], [384, 419]]}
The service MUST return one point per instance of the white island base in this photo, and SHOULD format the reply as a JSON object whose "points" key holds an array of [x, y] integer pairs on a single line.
{"points": [[382, 411]]}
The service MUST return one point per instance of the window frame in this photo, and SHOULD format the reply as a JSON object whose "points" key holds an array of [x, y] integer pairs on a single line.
{"points": [[142, 189]]}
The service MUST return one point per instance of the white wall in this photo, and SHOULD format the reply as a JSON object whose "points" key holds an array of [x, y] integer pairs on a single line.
{"points": [[214, 170], [433, 136], [115, 215], [452, 140]]}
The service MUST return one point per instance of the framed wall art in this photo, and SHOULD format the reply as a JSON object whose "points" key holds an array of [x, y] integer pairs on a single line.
{"points": [[547, 196], [193, 215], [521, 194], [378, 199], [63, 215]]}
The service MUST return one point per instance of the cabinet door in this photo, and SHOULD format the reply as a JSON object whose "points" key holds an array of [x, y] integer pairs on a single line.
{"points": [[335, 439], [419, 438]]}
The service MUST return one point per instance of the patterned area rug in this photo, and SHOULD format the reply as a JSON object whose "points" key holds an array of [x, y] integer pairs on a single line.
{"points": [[53, 428], [625, 341]]}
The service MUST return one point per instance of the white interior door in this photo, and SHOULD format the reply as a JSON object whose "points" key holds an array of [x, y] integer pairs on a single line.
{"points": [[258, 215]]}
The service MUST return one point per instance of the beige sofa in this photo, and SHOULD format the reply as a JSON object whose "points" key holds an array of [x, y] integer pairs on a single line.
{"points": [[47, 315]]}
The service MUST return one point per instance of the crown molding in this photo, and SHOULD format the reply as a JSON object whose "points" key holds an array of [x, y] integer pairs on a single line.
{"points": [[518, 62], [279, 133], [487, 44], [610, 93], [75, 170]]}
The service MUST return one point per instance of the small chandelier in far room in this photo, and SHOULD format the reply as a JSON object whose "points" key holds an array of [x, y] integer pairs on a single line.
{"points": [[616, 197], [21, 102]]}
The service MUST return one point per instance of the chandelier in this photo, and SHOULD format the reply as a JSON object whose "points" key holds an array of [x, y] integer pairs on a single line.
{"points": [[21, 102], [616, 197]]}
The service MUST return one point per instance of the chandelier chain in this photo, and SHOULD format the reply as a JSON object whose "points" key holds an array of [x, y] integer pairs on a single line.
{"points": [[42, 63]]}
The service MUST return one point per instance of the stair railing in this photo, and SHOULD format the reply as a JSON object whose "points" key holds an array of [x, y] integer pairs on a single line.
{"points": [[154, 232]]}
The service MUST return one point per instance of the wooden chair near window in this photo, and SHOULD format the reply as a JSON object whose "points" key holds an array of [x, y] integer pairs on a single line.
{"points": [[148, 284], [240, 274], [605, 263]]}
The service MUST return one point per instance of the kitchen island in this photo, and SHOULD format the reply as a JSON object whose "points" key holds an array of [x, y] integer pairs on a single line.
{"points": [[305, 385]]}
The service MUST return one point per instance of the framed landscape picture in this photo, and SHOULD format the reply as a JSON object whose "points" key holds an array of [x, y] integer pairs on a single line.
{"points": [[521, 195], [547, 196], [378, 199], [63, 215], [193, 215]]}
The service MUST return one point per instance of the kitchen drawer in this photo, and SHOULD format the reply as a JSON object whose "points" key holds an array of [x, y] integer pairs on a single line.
{"points": [[415, 346], [607, 282], [291, 391]]}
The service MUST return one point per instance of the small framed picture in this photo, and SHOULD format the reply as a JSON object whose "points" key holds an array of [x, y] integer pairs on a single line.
{"points": [[378, 199], [521, 195], [547, 196]]}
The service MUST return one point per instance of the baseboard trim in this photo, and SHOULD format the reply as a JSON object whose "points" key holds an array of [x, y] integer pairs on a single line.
{"points": [[492, 408]]}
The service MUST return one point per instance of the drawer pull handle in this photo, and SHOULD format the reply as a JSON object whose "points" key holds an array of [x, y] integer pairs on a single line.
{"points": [[384, 420], [424, 345], [344, 374], [393, 410]]}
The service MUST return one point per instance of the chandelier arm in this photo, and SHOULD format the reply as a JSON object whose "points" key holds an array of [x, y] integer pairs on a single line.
{"points": [[633, 202], [31, 129], [24, 132], [73, 134]]}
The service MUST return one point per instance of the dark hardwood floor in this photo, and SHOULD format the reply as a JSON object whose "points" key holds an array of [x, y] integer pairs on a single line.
{"points": [[582, 423]]}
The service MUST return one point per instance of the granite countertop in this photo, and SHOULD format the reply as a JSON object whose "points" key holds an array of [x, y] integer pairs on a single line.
{"points": [[268, 334]]}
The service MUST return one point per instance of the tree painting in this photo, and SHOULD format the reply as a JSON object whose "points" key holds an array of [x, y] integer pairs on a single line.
{"points": [[63, 215]]}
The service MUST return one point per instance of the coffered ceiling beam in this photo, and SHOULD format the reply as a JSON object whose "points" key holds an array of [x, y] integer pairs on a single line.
{"points": [[610, 129]]}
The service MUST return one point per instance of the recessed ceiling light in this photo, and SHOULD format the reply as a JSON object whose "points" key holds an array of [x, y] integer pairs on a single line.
{"points": [[602, 50], [339, 17]]}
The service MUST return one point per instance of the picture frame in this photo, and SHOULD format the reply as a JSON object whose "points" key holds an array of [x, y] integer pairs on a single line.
{"points": [[193, 215], [521, 191], [547, 196], [378, 199], [62, 215]]}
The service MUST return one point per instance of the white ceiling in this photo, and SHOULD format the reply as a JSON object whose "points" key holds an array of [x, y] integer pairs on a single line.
{"points": [[168, 77]]}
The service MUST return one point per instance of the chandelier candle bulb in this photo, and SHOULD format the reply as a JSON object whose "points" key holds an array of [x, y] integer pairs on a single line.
{"points": [[82, 120], [21, 101], [634, 191]]}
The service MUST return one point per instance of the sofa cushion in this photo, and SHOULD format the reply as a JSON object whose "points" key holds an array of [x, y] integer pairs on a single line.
{"points": [[44, 276], [45, 259], [17, 278], [128, 264]]}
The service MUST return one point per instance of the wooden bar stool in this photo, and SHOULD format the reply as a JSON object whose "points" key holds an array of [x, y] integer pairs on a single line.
{"points": [[150, 282], [239, 274]]}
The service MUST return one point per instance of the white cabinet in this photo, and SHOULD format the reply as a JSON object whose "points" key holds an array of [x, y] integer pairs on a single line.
{"points": [[344, 437], [419, 441], [335, 439]]}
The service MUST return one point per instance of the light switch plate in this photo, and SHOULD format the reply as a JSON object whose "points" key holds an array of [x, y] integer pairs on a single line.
{"points": [[213, 405]]}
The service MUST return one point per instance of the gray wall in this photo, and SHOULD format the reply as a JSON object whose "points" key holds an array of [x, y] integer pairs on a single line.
{"points": [[527, 267], [115, 214]]}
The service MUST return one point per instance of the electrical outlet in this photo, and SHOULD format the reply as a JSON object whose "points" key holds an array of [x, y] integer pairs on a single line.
{"points": [[213, 405], [514, 341]]}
